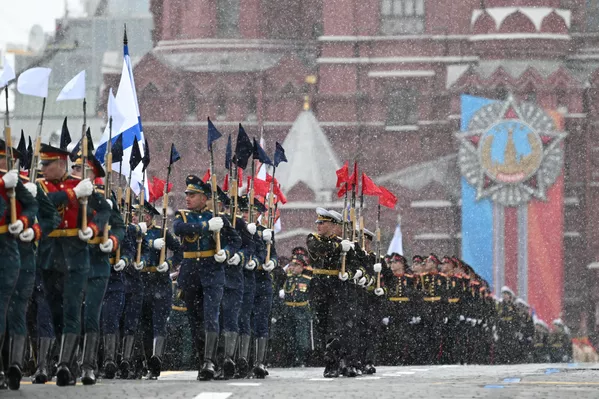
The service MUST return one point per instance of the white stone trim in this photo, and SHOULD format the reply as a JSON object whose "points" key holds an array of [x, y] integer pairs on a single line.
{"points": [[390, 38], [402, 128], [401, 74], [293, 233], [433, 236], [572, 234], [431, 204], [396, 60], [574, 201], [516, 36]]}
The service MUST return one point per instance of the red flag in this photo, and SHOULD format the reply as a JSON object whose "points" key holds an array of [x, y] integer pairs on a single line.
{"points": [[206, 177], [225, 186], [157, 188], [387, 198], [342, 191], [368, 186], [240, 177], [342, 174], [261, 187], [353, 179]]}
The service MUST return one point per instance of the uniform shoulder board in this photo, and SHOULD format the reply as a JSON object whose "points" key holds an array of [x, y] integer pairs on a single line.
{"points": [[315, 235], [42, 182], [182, 213]]}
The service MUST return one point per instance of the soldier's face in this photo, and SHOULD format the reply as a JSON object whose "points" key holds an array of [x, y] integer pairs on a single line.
{"points": [[148, 218], [296, 268], [195, 200], [397, 267], [76, 171], [54, 170], [446, 268], [324, 228], [3, 163], [506, 297], [417, 267]]}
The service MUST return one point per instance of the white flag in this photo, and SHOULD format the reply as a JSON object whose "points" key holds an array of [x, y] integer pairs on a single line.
{"points": [[74, 90], [396, 245], [34, 82], [8, 73]]}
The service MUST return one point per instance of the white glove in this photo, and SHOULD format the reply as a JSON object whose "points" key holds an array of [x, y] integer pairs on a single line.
{"points": [[273, 320], [86, 234], [251, 265], [343, 276], [27, 235], [11, 178], [143, 227], [235, 259], [269, 266], [358, 274], [370, 282], [119, 266], [418, 320], [267, 235], [379, 291], [362, 282], [158, 243], [282, 294], [84, 188], [251, 228], [16, 227], [32, 188], [221, 255], [138, 266], [386, 321], [462, 318], [163, 267], [110, 203], [215, 224], [378, 267], [107, 246], [346, 245], [445, 320]]}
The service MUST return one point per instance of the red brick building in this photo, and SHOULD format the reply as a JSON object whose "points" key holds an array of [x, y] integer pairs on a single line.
{"points": [[389, 74]]}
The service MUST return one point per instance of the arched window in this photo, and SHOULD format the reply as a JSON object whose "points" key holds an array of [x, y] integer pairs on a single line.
{"points": [[191, 103], [402, 106], [221, 106], [402, 17], [227, 18]]}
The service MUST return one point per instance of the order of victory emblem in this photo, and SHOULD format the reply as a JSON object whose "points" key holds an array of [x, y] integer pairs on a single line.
{"points": [[511, 152]]}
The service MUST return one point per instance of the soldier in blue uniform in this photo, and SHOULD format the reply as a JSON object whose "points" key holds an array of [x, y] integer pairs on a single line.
{"points": [[136, 230], [263, 298], [10, 234], [65, 253], [233, 291], [41, 327], [47, 219], [113, 303], [99, 273], [157, 300], [249, 286], [202, 275]]}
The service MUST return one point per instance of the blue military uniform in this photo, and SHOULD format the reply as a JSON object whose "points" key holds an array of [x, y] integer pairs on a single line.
{"points": [[201, 277], [65, 259], [157, 300], [262, 304]]}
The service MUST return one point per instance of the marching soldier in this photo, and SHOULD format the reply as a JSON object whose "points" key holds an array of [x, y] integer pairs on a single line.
{"points": [[506, 313], [263, 296], [249, 285], [202, 276], [136, 230], [330, 298], [157, 299], [233, 291], [65, 253], [10, 234], [47, 219], [99, 271]]}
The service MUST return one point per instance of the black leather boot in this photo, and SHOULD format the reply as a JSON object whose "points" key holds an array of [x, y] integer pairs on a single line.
{"points": [[15, 361], [68, 346], [90, 358], [126, 365], [243, 367], [41, 373], [110, 367], [230, 341], [259, 368], [155, 362], [207, 370]]}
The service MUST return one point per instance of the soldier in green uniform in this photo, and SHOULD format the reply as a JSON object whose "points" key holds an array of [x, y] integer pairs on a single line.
{"points": [[296, 310], [10, 234], [64, 254], [47, 219], [506, 313], [560, 343], [541, 342]]}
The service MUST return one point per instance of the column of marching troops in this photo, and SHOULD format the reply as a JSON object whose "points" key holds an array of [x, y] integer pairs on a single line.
{"points": [[84, 282], [85, 285]]}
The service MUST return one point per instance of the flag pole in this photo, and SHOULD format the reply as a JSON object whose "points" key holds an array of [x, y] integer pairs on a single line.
{"points": [[344, 229], [234, 193], [140, 215], [214, 196], [165, 207], [37, 146], [378, 243], [107, 183], [9, 159], [270, 221], [84, 155]]}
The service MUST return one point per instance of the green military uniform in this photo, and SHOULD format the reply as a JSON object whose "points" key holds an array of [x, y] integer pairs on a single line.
{"points": [[296, 317]]}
